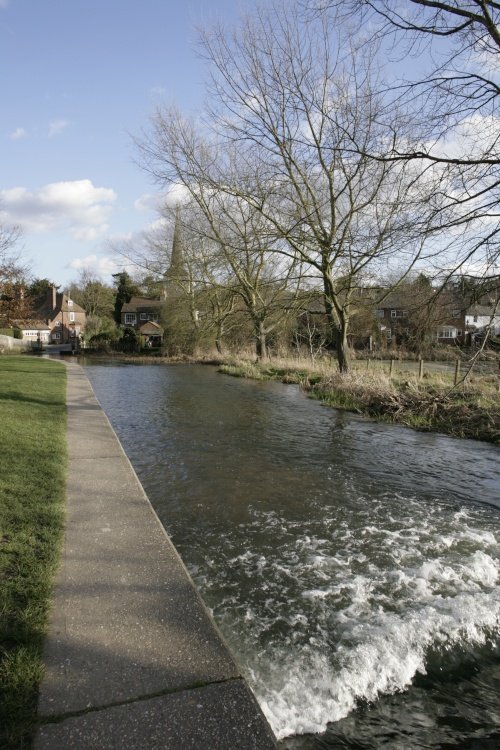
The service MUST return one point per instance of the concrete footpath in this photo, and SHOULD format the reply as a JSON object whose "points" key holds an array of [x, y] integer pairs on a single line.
{"points": [[133, 658]]}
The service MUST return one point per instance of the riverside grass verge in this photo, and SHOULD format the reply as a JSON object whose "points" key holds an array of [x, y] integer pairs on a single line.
{"points": [[469, 410], [32, 492]]}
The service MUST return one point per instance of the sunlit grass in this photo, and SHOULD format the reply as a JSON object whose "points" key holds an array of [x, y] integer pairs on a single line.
{"points": [[32, 492]]}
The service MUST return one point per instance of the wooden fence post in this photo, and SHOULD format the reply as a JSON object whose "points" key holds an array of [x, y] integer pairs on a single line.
{"points": [[421, 369], [457, 372]]}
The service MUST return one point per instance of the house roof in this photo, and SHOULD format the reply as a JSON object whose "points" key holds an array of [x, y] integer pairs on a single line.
{"points": [[44, 308], [142, 304], [152, 328], [393, 301], [484, 311], [32, 325]]}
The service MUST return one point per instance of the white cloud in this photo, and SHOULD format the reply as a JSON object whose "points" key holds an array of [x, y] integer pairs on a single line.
{"points": [[148, 202], [18, 132], [472, 137], [177, 194], [56, 127], [100, 265], [78, 206], [4, 3]]}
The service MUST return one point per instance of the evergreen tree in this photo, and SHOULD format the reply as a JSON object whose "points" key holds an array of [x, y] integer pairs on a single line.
{"points": [[126, 288]]}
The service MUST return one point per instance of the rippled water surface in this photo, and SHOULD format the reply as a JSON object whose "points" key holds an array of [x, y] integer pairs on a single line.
{"points": [[352, 567]]}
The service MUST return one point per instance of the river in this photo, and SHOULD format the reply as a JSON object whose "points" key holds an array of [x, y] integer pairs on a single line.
{"points": [[351, 566]]}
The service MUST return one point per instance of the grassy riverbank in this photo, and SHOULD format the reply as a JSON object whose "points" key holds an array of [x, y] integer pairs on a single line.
{"points": [[32, 491], [469, 410]]}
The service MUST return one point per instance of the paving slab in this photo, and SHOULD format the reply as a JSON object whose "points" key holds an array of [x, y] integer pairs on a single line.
{"points": [[130, 643], [204, 719]]}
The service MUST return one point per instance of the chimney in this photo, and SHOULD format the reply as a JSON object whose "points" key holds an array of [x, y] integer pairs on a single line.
{"points": [[53, 291]]}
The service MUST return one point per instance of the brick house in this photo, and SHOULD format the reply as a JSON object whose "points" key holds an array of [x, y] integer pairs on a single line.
{"points": [[392, 316], [441, 317], [65, 319]]}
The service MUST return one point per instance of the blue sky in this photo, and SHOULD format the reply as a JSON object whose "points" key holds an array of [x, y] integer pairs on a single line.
{"points": [[78, 79]]}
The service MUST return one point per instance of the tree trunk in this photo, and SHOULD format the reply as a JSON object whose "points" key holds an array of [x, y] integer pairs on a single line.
{"points": [[339, 320], [343, 347], [261, 342]]}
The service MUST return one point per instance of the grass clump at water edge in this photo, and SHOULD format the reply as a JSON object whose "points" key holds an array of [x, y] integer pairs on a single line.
{"points": [[32, 492], [471, 410]]}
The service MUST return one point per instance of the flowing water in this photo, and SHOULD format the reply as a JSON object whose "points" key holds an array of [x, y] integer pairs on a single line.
{"points": [[351, 566]]}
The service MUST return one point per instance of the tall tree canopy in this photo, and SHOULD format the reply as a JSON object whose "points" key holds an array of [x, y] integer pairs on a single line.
{"points": [[126, 288]]}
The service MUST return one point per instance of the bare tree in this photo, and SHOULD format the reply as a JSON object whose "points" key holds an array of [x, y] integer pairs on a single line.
{"points": [[233, 231], [303, 101], [455, 96], [96, 298], [10, 264], [200, 302], [14, 302]]}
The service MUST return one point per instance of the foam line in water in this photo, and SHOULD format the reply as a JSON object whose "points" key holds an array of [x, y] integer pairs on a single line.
{"points": [[308, 689]]}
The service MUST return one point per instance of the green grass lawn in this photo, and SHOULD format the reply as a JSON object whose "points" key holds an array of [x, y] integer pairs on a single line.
{"points": [[32, 495]]}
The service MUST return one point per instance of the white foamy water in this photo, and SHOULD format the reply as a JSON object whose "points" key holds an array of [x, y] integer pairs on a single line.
{"points": [[355, 611], [312, 687]]}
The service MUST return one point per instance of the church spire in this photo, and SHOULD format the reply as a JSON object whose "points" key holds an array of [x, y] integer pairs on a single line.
{"points": [[176, 272]]}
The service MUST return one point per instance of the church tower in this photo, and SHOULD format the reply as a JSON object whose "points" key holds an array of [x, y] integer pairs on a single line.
{"points": [[176, 273]]}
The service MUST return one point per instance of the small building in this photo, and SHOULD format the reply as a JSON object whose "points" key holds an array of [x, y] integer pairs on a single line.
{"points": [[480, 317], [143, 315], [35, 331], [151, 334]]}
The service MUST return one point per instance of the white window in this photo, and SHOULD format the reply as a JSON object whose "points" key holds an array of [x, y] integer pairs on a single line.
{"points": [[70, 302], [72, 317], [394, 313], [447, 332], [57, 323], [130, 318], [56, 335], [149, 316]]}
